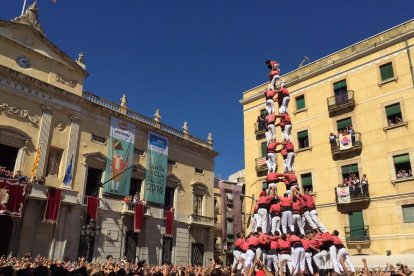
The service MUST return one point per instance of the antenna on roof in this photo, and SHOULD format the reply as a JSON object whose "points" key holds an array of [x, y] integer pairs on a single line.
{"points": [[304, 61]]}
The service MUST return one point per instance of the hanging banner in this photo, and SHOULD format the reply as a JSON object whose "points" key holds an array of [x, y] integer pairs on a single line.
{"points": [[345, 141], [343, 195], [12, 197], [156, 174], [120, 157]]}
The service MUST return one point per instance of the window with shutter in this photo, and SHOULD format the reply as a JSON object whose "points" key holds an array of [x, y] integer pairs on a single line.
{"points": [[408, 213], [387, 72], [307, 181], [303, 139], [393, 113], [343, 124], [402, 165], [300, 102]]}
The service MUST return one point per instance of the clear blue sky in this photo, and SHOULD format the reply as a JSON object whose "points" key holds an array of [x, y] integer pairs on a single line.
{"points": [[192, 59]]}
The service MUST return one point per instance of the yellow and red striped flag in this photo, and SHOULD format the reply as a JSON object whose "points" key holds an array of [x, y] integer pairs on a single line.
{"points": [[35, 163]]}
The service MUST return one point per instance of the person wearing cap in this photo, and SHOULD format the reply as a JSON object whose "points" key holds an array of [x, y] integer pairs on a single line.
{"points": [[263, 205], [269, 95], [342, 252], [272, 252]]}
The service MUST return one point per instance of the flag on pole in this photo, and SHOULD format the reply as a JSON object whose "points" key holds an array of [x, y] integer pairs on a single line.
{"points": [[35, 163], [67, 180]]}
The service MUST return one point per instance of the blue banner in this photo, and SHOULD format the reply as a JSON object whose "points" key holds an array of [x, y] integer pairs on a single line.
{"points": [[156, 174]]}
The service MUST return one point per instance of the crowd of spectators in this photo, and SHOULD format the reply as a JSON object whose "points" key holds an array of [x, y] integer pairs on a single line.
{"points": [[41, 266], [404, 173], [357, 187], [395, 121], [5, 173]]}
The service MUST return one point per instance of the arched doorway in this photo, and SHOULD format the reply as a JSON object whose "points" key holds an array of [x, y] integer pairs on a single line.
{"points": [[5, 234]]}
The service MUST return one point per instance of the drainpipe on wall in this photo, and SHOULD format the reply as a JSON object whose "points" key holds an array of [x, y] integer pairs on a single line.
{"points": [[409, 59]]}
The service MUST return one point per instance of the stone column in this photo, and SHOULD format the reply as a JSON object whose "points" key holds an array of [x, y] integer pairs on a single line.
{"points": [[72, 147], [44, 139], [20, 158]]}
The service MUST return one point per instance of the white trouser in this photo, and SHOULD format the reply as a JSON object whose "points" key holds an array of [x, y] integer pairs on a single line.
{"points": [[249, 258], [271, 130], [276, 78], [309, 220], [314, 216], [255, 219], [271, 162], [297, 220], [286, 132], [236, 254], [290, 160], [308, 257], [287, 221], [270, 106], [298, 258], [284, 107], [272, 260], [320, 259], [261, 254], [268, 137], [343, 253], [283, 259], [332, 256], [272, 185], [285, 164], [262, 219], [275, 224]]}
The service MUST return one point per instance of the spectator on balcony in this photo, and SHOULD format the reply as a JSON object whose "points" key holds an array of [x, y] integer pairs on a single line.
{"points": [[352, 132], [136, 198], [364, 185], [261, 122], [398, 120], [332, 140], [399, 174]]}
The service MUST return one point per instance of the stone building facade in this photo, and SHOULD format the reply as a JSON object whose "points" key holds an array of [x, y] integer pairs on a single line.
{"points": [[43, 103]]}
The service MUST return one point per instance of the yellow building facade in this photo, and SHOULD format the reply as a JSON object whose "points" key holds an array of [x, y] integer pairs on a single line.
{"points": [[367, 86], [43, 105]]}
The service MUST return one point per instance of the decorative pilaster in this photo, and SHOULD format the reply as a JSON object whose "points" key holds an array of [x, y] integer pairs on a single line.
{"points": [[210, 140], [44, 139], [72, 148], [157, 118]]}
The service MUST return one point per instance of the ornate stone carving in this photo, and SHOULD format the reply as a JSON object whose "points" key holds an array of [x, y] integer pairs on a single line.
{"points": [[30, 16], [24, 113], [61, 126], [62, 79]]}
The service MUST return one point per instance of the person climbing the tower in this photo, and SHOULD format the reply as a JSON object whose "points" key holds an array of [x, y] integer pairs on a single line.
{"points": [[274, 74], [283, 99], [269, 95], [271, 155], [285, 124]]}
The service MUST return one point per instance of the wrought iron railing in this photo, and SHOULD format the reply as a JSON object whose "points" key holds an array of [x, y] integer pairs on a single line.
{"points": [[357, 234], [346, 142], [356, 193], [260, 128], [143, 119], [341, 100]]}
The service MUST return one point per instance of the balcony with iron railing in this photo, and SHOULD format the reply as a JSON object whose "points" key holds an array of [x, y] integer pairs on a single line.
{"points": [[341, 102], [350, 143], [352, 195], [144, 119], [261, 165], [358, 235], [259, 129], [129, 208], [200, 220]]}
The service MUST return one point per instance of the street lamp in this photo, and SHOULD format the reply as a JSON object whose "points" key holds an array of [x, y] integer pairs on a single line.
{"points": [[88, 235]]}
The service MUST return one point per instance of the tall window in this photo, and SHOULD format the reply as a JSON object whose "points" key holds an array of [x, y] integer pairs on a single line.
{"points": [[340, 87], [408, 213], [261, 120], [303, 139], [307, 182], [93, 181], [343, 124], [197, 204], [387, 72], [135, 186], [53, 161], [393, 113], [263, 147], [169, 198], [402, 165], [350, 171], [356, 225], [300, 102]]}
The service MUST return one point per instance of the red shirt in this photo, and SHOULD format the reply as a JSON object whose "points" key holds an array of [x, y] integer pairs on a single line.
{"points": [[273, 242], [253, 241], [269, 94], [326, 236], [305, 243], [264, 200], [275, 208], [336, 240], [296, 206], [263, 239], [283, 152], [283, 91], [309, 201], [315, 243], [285, 118], [290, 177], [271, 118], [289, 146], [284, 246], [273, 73], [245, 246], [239, 243], [260, 272], [273, 64], [273, 177], [285, 201], [272, 147]]}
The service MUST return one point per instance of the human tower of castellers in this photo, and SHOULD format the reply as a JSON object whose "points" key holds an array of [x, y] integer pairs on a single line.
{"points": [[278, 239]]}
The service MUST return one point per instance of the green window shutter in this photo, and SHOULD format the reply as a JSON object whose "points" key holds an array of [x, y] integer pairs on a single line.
{"points": [[387, 72], [302, 134], [264, 185], [306, 179], [393, 109], [353, 168], [408, 213], [300, 102], [263, 147], [340, 85], [400, 159], [341, 124], [356, 220]]}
